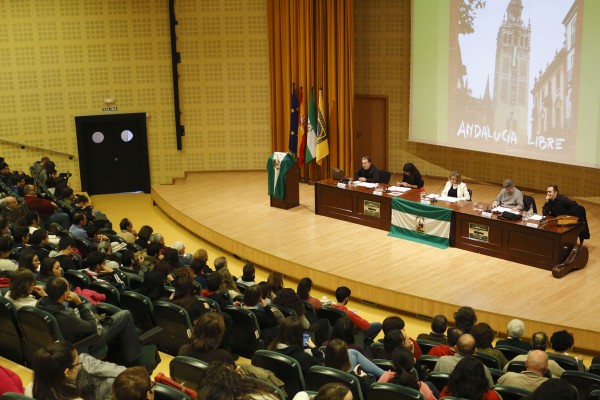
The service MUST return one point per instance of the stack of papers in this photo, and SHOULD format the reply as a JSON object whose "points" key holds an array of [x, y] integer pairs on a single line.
{"points": [[502, 209], [400, 189]]}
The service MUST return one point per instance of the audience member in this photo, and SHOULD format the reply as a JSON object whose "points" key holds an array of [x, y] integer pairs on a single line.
{"points": [[304, 288], [554, 389], [55, 371], [184, 258], [563, 341], [336, 356], [289, 341], [126, 231], [144, 236], [30, 260], [221, 381], [220, 262], [20, 235], [275, 281], [469, 380], [158, 238], [515, 330], [49, 268], [48, 210], [66, 254], [439, 324], [329, 391], [539, 341], [133, 384], [465, 318], [206, 340], [38, 241], [213, 291], [404, 362], [465, 348], [75, 326], [343, 329], [248, 274], [449, 349], [150, 259], [185, 297], [22, 285], [6, 247], [228, 284], [59, 372], [484, 336], [267, 321], [371, 329], [534, 374], [287, 298], [393, 323], [155, 281]]}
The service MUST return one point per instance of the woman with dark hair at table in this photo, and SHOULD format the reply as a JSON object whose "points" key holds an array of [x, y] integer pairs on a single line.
{"points": [[412, 177]]}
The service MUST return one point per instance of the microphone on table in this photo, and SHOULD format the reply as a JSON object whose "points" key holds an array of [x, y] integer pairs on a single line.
{"points": [[434, 200]]}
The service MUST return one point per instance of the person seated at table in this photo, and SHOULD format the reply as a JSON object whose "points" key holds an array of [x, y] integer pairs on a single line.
{"points": [[455, 187], [509, 196], [368, 172], [412, 177], [557, 204]]}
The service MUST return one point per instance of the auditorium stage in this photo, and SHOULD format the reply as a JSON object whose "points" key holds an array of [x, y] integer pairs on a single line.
{"points": [[231, 210]]}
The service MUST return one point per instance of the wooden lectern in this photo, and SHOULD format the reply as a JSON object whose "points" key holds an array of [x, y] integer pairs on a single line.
{"points": [[291, 197]]}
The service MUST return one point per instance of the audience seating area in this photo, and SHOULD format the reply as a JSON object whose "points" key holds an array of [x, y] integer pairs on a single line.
{"points": [[161, 318]]}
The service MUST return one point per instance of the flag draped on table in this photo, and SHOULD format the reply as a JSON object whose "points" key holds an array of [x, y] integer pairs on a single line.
{"points": [[293, 142], [322, 141], [421, 223], [301, 131], [311, 135]]}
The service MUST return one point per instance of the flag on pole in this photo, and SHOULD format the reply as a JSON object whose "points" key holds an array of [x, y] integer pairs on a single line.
{"points": [[293, 142], [311, 134], [322, 142], [421, 223], [301, 131]]}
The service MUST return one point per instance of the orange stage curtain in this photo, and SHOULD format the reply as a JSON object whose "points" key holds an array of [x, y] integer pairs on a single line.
{"points": [[311, 44]]}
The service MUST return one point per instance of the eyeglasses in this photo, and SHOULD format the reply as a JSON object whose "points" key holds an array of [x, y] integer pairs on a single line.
{"points": [[76, 365], [152, 385]]}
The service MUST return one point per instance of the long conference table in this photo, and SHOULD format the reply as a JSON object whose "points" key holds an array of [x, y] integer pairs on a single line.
{"points": [[536, 244]]}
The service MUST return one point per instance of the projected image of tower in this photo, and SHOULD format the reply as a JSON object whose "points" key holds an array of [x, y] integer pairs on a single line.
{"points": [[511, 77]]}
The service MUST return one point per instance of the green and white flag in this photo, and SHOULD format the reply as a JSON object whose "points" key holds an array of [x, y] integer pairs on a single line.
{"points": [[421, 223]]}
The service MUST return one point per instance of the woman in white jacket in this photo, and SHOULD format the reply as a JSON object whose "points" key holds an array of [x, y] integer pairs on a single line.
{"points": [[455, 187]]}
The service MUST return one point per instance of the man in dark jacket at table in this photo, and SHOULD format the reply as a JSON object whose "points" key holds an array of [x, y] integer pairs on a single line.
{"points": [[368, 172], [557, 204]]}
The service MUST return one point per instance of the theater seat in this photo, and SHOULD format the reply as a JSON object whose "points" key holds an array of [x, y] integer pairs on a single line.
{"points": [[384, 176], [10, 335], [318, 376], [176, 324], [40, 329], [246, 336], [529, 202], [390, 391], [284, 367], [185, 370], [510, 392]]}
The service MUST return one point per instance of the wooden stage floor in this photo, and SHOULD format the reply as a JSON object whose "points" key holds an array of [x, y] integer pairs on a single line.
{"points": [[231, 210]]}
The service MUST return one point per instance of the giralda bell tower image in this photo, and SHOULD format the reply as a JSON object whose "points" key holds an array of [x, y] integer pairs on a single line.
{"points": [[511, 81]]}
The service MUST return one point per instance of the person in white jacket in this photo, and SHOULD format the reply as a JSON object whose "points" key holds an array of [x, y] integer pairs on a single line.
{"points": [[455, 187]]}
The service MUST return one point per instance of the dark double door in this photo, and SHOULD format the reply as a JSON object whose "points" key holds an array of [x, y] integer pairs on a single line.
{"points": [[113, 153]]}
